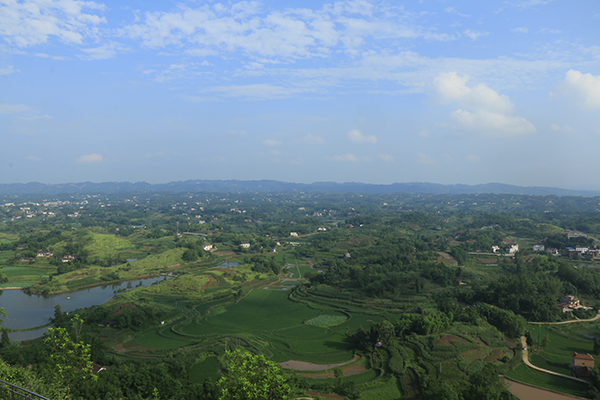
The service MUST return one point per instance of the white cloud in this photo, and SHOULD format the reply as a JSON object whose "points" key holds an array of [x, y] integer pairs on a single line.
{"points": [[451, 87], [452, 10], [548, 30], [521, 29], [529, 3], [425, 133], [357, 137], [386, 157], [8, 70], [104, 52], [33, 158], [14, 108], [310, 139], [90, 158], [31, 22], [346, 157], [564, 128], [258, 91], [473, 34], [490, 113], [473, 158], [424, 159], [490, 123], [583, 87], [345, 27], [272, 143]]}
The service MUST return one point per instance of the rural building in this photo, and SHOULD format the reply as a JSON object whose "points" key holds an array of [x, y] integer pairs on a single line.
{"points": [[582, 364], [45, 254], [495, 248], [571, 300], [207, 247], [538, 247], [573, 234], [512, 248], [245, 245], [553, 251], [68, 258], [569, 303], [294, 234], [322, 229]]}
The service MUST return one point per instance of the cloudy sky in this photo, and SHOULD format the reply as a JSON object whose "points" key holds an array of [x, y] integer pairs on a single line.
{"points": [[302, 91]]}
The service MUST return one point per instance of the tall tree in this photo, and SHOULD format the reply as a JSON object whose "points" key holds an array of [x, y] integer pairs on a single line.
{"points": [[251, 377]]}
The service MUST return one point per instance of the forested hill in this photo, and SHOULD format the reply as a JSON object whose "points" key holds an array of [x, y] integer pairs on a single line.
{"points": [[266, 186]]}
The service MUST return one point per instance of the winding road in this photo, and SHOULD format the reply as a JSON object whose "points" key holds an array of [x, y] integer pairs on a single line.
{"points": [[529, 364], [526, 352]]}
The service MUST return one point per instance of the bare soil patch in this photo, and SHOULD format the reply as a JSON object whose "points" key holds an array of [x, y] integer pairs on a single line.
{"points": [[353, 369], [449, 338], [349, 370], [119, 347], [306, 366], [324, 395], [494, 356], [483, 260], [212, 281], [127, 306], [446, 258], [473, 355]]}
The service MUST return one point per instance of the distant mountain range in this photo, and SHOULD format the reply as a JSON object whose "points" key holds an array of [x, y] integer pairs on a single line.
{"points": [[266, 186]]}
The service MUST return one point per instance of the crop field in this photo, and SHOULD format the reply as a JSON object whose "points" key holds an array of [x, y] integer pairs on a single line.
{"points": [[562, 341], [266, 314], [21, 271], [103, 244], [326, 320], [154, 340], [159, 261], [207, 368], [387, 389]]}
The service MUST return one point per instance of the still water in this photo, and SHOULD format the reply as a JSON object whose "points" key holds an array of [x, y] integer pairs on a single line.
{"points": [[28, 311]]}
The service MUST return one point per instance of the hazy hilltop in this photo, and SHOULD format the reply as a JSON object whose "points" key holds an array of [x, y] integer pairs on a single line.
{"points": [[266, 186]]}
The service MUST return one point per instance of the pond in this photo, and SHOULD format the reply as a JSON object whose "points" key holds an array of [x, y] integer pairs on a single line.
{"points": [[228, 264], [27, 311]]}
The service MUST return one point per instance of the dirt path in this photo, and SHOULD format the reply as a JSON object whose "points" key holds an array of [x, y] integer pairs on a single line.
{"points": [[526, 361], [306, 366], [567, 322]]}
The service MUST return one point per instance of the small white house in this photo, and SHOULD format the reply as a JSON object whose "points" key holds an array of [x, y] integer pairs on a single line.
{"points": [[207, 247], [322, 229], [538, 247], [245, 245], [495, 248], [512, 248], [294, 234]]}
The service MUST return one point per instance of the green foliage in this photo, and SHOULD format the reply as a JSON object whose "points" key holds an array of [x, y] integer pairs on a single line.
{"points": [[70, 356], [485, 384], [248, 377]]}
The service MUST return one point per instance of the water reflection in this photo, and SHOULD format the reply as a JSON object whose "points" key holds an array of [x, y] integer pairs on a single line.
{"points": [[28, 311]]}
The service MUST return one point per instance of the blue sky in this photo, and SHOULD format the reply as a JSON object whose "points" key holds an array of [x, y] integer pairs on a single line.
{"points": [[348, 91]]}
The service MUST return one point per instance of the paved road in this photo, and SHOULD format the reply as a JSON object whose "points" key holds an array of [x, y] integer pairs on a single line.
{"points": [[526, 361], [567, 322]]}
